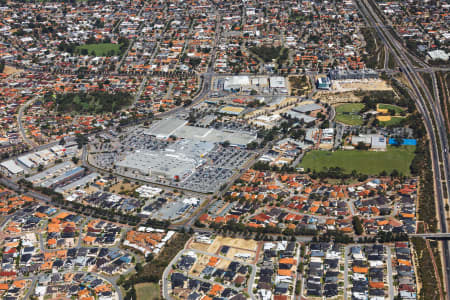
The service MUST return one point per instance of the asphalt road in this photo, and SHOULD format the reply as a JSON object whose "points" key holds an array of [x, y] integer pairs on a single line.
{"points": [[19, 121], [390, 278], [31, 288], [346, 253]]}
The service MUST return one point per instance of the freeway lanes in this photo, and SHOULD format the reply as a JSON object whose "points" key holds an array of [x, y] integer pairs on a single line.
{"points": [[430, 115]]}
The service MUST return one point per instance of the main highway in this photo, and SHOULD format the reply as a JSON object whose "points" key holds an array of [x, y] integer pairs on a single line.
{"points": [[432, 115]]}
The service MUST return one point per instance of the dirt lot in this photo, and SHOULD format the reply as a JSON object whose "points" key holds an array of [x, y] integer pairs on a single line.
{"points": [[233, 251], [11, 70], [201, 262], [232, 242], [121, 186], [199, 246], [335, 98], [365, 85], [223, 264], [343, 92], [237, 246]]}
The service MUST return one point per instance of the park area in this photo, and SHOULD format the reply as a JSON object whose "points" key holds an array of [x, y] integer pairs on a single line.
{"points": [[102, 49], [390, 107], [147, 291], [349, 113], [394, 121], [365, 162]]}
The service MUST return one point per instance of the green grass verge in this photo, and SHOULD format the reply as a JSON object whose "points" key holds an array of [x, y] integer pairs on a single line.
{"points": [[365, 162], [146, 291], [102, 49], [349, 113]]}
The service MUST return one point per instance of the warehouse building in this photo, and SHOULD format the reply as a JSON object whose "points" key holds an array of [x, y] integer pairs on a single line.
{"points": [[10, 167], [308, 108], [78, 183], [51, 172], [277, 82], [235, 83], [64, 178], [25, 160]]}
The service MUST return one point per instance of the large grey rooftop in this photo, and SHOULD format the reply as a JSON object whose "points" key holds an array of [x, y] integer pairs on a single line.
{"points": [[178, 128], [159, 163]]}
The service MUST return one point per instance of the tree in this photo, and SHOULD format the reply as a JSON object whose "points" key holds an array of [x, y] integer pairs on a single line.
{"points": [[81, 140], [361, 146], [357, 225], [399, 141], [395, 173]]}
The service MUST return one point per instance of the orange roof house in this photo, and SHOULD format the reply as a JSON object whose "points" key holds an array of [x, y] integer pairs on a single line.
{"points": [[19, 283], [89, 239], [51, 242], [376, 285], [216, 289], [213, 261], [404, 262], [357, 269], [288, 261], [283, 272]]}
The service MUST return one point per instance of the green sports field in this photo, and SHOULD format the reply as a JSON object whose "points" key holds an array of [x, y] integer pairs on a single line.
{"points": [[393, 121], [365, 162], [396, 108], [102, 49], [349, 113]]}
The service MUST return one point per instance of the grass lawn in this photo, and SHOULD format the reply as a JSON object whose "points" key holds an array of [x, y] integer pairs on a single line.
{"points": [[396, 108], [146, 291], [366, 162], [102, 49], [392, 121], [349, 113]]}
